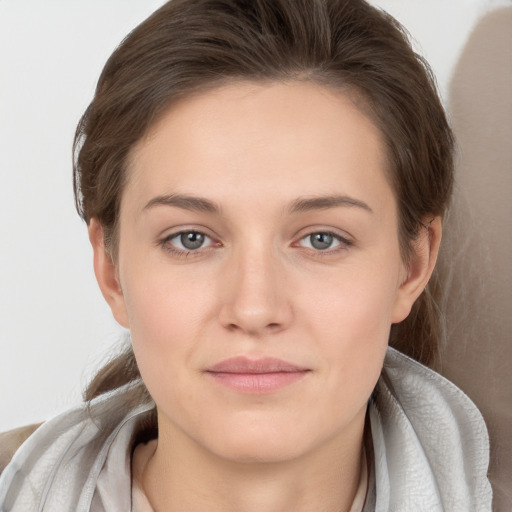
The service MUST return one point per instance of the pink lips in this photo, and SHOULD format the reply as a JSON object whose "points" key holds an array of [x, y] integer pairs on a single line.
{"points": [[256, 376]]}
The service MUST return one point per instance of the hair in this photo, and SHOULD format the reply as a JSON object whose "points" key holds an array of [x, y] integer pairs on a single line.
{"points": [[190, 46]]}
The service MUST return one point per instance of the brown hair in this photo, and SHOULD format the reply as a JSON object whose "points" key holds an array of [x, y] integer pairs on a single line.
{"points": [[188, 46]]}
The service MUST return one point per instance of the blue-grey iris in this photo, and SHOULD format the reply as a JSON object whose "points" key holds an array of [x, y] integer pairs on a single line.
{"points": [[321, 241], [192, 240]]}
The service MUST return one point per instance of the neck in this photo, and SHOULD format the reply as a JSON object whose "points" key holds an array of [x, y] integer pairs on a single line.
{"points": [[184, 476]]}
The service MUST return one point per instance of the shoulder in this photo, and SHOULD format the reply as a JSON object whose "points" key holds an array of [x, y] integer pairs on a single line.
{"points": [[11, 440], [429, 439], [74, 448]]}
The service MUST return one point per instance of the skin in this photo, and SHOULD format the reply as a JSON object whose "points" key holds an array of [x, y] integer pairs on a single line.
{"points": [[259, 288]]}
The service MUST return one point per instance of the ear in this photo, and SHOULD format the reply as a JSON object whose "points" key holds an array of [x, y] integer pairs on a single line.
{"points": [[106, 274], [421, 265]]}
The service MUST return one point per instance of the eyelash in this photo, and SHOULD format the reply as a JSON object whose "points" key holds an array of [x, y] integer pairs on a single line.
{"points": [[166, 243], [343, 243]]}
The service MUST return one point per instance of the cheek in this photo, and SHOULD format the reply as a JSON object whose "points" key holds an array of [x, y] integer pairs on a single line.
{"points": [[162, 300], [165, 313], [351, 321], [164, 330], [357, 305]]}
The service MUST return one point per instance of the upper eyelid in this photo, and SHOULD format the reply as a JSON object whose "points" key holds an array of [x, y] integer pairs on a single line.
{"points": [[336, 232], [166, 243], [176, 234], [341, 239], [170, 233], [332, 233]]}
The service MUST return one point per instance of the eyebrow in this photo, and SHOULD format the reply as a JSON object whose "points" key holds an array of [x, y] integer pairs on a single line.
{"points": [[186, 202], [325, 202], [200, 204]]}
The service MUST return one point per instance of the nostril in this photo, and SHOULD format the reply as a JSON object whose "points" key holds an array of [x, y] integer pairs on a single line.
{"points": [[253, 330]]}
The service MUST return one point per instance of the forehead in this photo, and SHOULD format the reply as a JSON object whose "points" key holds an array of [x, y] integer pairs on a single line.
{"points": [[277, 139]]}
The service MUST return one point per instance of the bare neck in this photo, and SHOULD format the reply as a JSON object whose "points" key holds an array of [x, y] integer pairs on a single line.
{"points": [[181, 475]]}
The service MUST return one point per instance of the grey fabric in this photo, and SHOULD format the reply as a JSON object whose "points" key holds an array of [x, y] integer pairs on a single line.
{"points": [[11, 440], [430, 444]]}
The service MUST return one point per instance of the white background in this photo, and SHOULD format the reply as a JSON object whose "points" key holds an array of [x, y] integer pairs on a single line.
{"points": [[54, 324]]}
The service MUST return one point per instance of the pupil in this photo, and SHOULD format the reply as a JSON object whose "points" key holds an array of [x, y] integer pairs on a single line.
{"points": [[321, 240], [192, 240]]}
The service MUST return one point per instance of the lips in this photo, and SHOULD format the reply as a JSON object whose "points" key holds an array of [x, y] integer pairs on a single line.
{"points": [[256, 376]]}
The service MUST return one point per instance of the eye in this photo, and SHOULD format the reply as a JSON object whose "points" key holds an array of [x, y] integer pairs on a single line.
{"points": [[323, 241], [188, 241]]}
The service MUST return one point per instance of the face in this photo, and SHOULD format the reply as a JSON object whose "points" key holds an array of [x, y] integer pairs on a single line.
{"points": [[259, 269]]}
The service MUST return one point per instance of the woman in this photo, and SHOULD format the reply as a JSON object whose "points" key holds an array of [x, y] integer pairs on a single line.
{"points": [[264, 184]]}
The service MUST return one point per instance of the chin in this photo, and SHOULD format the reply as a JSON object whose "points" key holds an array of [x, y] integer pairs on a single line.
{"points": [[267, 443]]}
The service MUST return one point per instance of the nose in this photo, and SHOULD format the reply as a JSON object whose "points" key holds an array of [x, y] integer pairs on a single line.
{"points": [[255, 295]]}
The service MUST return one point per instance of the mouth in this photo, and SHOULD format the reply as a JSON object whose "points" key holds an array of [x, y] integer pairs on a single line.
{"points": [[256, 376]]}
